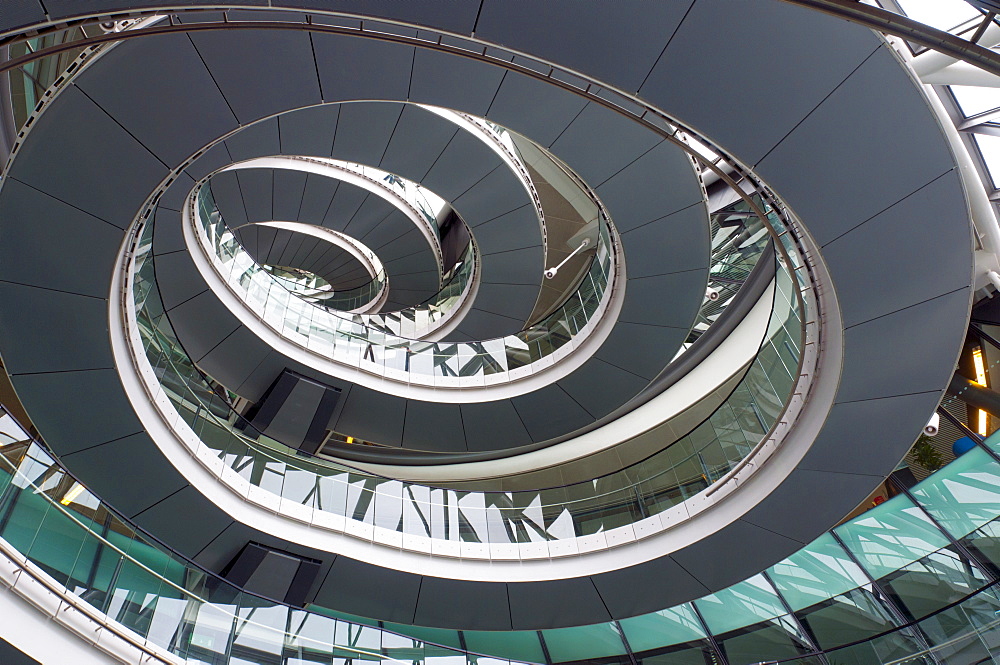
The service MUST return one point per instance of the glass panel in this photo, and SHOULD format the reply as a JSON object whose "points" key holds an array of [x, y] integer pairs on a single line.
{"points": [[819, 571], [742, 604]]}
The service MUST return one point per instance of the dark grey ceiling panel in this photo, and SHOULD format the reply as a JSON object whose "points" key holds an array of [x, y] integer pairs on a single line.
{"points": [[453, 83], [316, 198], [452, 15], [77, 173], [49, 243], [493, 425], [873, 365], [373, 416], [211, 160], [419, 139], [411, 243], [350, 587], [229, 198], [623, 590], [21, 12], [370, 214], [167, 233], [201, 323], [256, 140], [136, 452], [636, 348], [171, 520], [892, 107], [352, 68], [549, 412], [278, 247], [601, 388], [697, 73], [710, 559], [260, 72], [46, 316], [843, 446], [177, 192], [570, 602], [881, 252], [63, 404], [364, 130], [178, 279], [511, 300], [673, 244], [600, 142], [517, 266], [309, 131], [782, 513], [479, 325], [376, 232], [465, 161], [665, 300], [503, 233], [485, 604], [534, 109], [346, 201], [595, 37], [257, 187], [657, 184], [496, 194], [163, 70], [432, 426], [235, 358]]}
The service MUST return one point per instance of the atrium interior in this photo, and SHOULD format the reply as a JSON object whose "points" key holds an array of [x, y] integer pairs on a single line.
{"points": [[488, 332]]}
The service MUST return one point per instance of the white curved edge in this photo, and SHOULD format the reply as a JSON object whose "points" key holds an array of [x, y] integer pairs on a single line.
{"points": [[672, 530], [739, 348], [557, 365]]}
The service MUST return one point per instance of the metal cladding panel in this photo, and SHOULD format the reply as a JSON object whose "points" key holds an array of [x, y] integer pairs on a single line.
{"points": [[345, 204], [665, 300], [201, 323], [625, 591], [372, 212], [170, 520], [63, 407], [431, 426], [570, 602], [517, 266], [66, 8], [462, 84], [465, 161], [550, 412], [594, 37], [260, 72], [355, 68], [168, 235], [479, 324], [173, 198], [874, 366], [77, 173], [392, 225], [136, 452], [497, 194], [601, 388], [364, 130], [228, 197], [600, 142], [876, 106], [629, 346], [372, 415], [660, 182], [493, 426], [21, 12], [880, 253], [309, 131], [419, 139], [179, 279], [278, 247], [257, 188], [33, 325], [211, 160], [163, 71], [350, 587], [48, 243], [534, 109], [710, 560], [843, 446], [484, 604], [316, 198], [507, 232], [783, 512], [452, 15], [707, 61], [256, 140], [511, 300], [670, 244], [235, 358]]}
